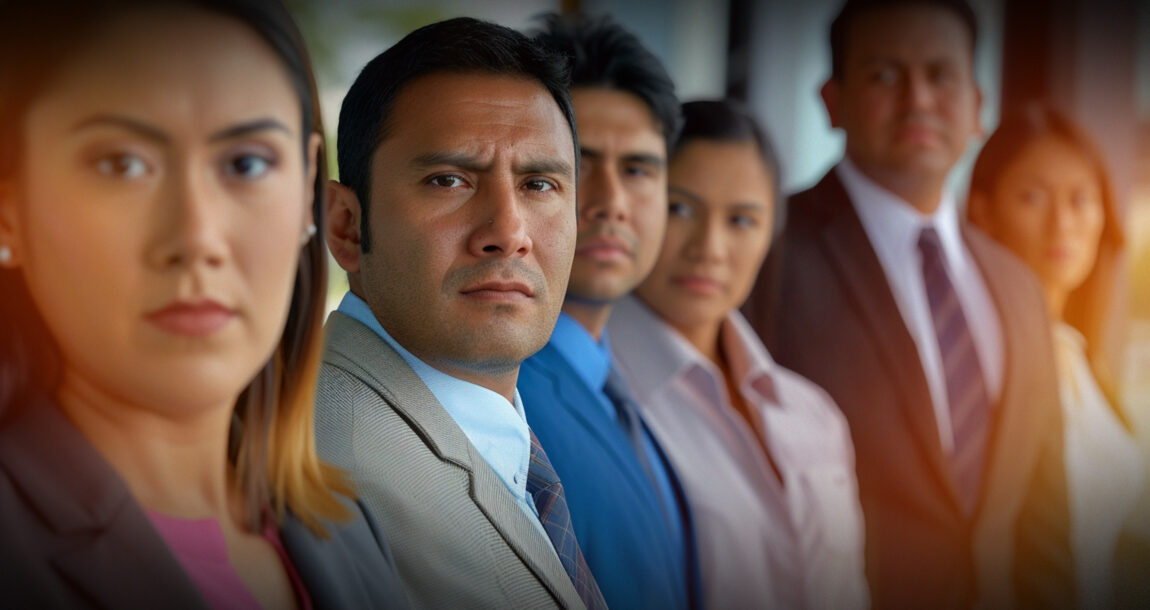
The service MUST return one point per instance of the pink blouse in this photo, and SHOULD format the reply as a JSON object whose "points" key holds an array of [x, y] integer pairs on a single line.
{"points": [[199, 546]]}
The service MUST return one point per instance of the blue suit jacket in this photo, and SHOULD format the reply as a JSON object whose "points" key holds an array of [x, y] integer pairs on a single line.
{"points": [[615, 509]]}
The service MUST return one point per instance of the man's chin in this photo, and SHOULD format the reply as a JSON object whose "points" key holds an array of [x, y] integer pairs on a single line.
{"points": [[598, 290]]}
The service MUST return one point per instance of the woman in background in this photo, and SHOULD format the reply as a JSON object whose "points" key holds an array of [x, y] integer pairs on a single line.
{"points": [[1040, 188], [765, 456], [161, 175]]}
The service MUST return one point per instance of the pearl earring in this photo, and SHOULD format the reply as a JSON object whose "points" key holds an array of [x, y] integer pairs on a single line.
{"points": [[307, 234], [5, 255]]}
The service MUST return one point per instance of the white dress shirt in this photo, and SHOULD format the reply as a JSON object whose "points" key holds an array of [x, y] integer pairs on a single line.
{"points": [[1104, 470], [893, 227], [760, 544]]}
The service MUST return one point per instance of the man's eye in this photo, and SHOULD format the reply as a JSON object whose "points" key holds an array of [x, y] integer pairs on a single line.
{"points": [[447, 181], [122, 165], [638, 170], [885, 76], [247, 166], [540, 185]]}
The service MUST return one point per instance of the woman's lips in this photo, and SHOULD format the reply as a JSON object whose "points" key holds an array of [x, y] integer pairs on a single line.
{"points": [[698, 283], [191, 319]]}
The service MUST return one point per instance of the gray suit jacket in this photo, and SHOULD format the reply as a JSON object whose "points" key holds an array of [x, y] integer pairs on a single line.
{"points": [[72, 536], [824, 308], [460, 538]]}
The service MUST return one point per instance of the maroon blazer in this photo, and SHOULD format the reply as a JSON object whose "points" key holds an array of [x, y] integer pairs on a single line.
{"points": [[824, 308]]}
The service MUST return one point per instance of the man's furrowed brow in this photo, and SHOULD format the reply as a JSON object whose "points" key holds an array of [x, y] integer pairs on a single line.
{"points": [[550, 167], [453, 159]]}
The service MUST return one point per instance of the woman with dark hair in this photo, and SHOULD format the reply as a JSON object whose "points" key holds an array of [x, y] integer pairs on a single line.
{"points": [[161, 178], [1040, 188], [764, 455]]}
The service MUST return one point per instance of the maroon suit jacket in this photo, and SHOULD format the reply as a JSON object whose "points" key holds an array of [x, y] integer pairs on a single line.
{"points": [[824, 308]]}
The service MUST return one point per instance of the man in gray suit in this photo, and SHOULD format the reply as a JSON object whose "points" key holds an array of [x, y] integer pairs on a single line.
{"points": [[455, 220]]}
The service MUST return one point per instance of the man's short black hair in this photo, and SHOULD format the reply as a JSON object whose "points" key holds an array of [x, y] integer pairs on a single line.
{"points": [[461, 46], [851, 10], [603, 54]]}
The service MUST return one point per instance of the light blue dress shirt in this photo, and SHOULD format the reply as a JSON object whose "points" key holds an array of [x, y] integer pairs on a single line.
{"points": [[592, 362], [497, 429]]}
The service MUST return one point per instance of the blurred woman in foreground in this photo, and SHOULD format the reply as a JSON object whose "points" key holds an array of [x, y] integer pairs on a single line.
{"points": [[765, 456], [1040, 188], [161, 175]]}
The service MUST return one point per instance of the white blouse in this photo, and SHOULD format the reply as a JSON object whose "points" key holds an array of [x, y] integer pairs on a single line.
{"points": [[1104, 470]]}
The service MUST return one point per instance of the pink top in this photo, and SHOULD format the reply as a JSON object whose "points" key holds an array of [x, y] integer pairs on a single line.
{"points": [[199, 546], [761, 544]]}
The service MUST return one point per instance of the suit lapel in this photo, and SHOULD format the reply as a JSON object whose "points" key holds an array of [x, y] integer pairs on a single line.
{"points": [[862, 277], [1006, 423], [608, 432], [107, 548], [128, 566], [355, 347]]}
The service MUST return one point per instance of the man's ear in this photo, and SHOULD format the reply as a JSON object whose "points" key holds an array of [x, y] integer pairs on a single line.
{"points": [[830, 94], [9, 221], [314, 148], [342, 214]]}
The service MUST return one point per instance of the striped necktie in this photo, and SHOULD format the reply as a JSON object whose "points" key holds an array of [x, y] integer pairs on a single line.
{"points": [[966, 390], [547, 492]]}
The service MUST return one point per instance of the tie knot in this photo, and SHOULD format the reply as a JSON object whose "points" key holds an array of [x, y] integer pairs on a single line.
{"points": [[928, 242]]}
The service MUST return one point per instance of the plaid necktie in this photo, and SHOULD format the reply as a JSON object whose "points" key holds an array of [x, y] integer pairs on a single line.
{"points": [[966, 390], [547, 491]]}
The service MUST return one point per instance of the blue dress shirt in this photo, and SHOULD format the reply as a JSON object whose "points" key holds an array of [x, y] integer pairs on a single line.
{"points": [[633, 533], [498, 430], [592, 361]]}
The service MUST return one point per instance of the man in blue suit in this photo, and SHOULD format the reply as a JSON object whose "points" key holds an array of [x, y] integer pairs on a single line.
{"points": [[626, 504]]}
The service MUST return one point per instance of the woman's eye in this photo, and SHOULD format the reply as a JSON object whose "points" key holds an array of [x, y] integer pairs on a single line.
{"points": [[447, 181], [681, 210], [122, 165], [1033, 196], [1082, 200], [248, 166], [743, 221]]}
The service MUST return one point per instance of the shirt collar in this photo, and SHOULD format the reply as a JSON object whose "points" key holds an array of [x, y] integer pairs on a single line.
{"points": [[591, 359], [497, 430], [661, 354], [749, 358], [658, 352], [891, 223]]}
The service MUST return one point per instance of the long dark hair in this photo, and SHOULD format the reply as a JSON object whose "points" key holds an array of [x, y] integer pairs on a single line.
{"points": [[1088, 306], [272, 444]]}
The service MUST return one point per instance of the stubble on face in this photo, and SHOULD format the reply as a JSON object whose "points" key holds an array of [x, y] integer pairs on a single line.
{"points": [[473, 220]]}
